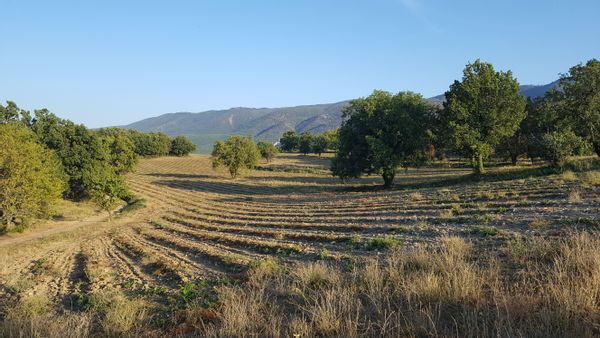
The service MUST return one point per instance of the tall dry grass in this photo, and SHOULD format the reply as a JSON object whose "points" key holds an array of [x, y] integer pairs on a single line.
{"points": [[541, 289]]}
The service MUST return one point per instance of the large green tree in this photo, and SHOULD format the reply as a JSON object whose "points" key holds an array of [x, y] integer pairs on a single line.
{"points": [[182, 146], [382, 132], [482, 109], [78, 148], [319, 144], [267, 150], [332, 139], [31, 177], [578, 101], [289, 141], [305, 143], [237, 154], [105, 187]]}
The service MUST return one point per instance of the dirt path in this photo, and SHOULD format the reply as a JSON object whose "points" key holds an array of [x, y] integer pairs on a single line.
{"points": [[58, 227]]}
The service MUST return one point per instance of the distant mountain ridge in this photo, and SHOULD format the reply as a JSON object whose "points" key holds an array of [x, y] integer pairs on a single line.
{"points": [[269, 124]]}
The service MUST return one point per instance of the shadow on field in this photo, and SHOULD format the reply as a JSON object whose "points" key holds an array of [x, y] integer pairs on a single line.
{"points": [[298, 179], [175, 175], [462, 179], [233, 188], [327, 187]]}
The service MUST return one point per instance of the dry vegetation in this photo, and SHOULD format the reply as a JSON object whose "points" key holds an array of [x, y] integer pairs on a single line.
{"points": [[290, 251]]}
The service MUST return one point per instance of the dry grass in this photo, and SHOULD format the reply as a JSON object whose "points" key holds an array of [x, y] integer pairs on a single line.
{"points": [[568, 175], [574, 196], [48, 326], [290, 251], [450, 290], [592, 178]]}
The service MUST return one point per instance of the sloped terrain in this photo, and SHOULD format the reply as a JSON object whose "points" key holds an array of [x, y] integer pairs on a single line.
{"points": [[264, 123], [202, 226]]}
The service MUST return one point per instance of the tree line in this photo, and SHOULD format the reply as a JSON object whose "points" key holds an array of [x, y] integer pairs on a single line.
{"points": [[483, 114], [44, 158], [307, 142]]}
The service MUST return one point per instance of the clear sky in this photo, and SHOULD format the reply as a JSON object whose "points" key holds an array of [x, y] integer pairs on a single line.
{"points": [[111, 62]]}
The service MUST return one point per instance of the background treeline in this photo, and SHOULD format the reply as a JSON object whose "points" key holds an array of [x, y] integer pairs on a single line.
{"points": [[307, 142], [44, 158], [483, 115]]}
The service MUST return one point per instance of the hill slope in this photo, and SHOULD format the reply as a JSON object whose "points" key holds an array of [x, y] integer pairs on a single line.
{"points": [[263, 123]]}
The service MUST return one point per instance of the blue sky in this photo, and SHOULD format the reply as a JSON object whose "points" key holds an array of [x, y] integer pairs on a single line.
{"points": [[109, 62]]}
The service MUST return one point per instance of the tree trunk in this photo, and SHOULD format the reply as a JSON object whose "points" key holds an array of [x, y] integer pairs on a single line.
{"points": [[597, 148], [388, 177], [514, 158], [480, 169]]}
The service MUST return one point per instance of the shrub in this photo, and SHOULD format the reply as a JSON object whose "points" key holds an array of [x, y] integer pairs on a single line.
{"points": [[574, 196], [416, 196], [592, 177], [123, 315], [558, 146], [382, 243], [484, 231], [568, 175]]}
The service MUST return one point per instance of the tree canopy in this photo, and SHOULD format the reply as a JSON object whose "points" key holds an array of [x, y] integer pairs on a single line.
{"points": [[381, 133], [481, 110], [578, 101], [31, 177], [237, 154], [150, 144], [305, 143], [106, 188], [319, 144], [267, 150], [289, 141], [182, 146]]}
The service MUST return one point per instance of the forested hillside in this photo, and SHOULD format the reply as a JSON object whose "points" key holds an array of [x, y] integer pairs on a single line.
{"points": [[268, 124]]}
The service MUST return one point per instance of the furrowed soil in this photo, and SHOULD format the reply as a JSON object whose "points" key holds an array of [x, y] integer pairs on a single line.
{"points": [[200, 225]]}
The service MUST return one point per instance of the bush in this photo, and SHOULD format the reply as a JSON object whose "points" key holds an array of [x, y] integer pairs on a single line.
{"points": [[559, 145], [381, 243], [31, 178], [182, 146]]}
